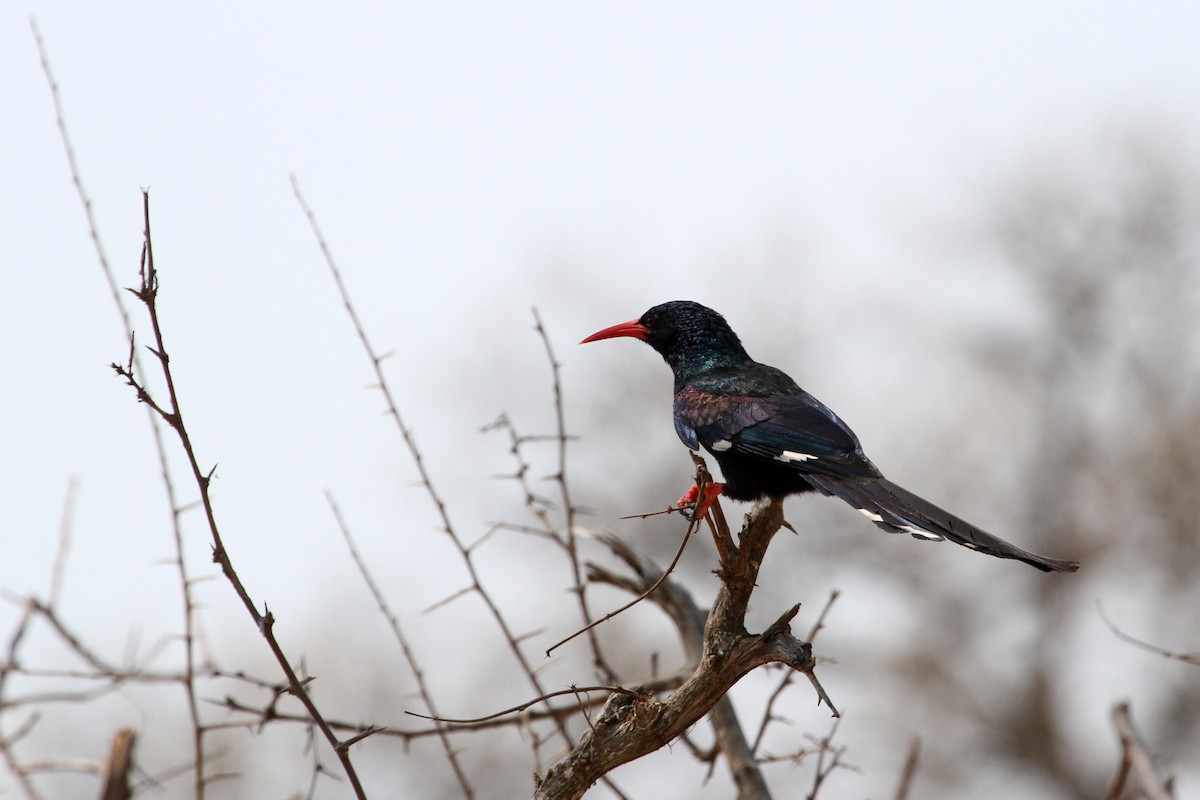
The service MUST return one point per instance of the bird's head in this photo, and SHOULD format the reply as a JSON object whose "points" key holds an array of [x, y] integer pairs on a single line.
{"points": [[691, 338]]}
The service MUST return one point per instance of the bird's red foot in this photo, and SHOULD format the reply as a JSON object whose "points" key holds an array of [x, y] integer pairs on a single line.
{"points": [[694, 506]]}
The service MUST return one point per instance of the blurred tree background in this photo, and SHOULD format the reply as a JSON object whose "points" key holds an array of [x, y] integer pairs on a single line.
{"points": [[1060, 411], [1019, 346], [1066, 426]]}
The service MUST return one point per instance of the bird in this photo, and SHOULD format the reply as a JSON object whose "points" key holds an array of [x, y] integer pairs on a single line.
{"points": [[772, 439]]}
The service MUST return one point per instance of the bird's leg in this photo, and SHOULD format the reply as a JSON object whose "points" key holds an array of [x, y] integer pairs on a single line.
{"points": [[691, 498]]}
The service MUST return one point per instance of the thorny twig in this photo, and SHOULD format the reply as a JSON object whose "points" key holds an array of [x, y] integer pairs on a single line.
{"points": [[171, 413], [114, 287], [393, 409], [769, 712], [716, 523], [649, 591], [569, 539], [630, 728], [460, 774], [829, 758]]}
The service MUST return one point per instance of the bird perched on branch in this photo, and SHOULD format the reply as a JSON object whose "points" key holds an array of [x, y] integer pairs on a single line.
{"points": [[773, 439]]}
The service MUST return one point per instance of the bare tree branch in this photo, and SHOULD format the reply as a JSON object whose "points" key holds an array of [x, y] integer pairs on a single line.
{"points": [[1187, 658], [410, 657], [689, 619], [904, 785], [185, 583], [829, 758], [630, 727], [147, 293], [1135, 763], [569, 539], [426, 479], [120, 762]]}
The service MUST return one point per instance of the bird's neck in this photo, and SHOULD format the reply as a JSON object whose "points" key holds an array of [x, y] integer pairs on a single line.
{"points": [[688, 364]]}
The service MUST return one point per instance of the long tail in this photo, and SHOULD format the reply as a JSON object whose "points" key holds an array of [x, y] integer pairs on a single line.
{"points": [[897, 510]]}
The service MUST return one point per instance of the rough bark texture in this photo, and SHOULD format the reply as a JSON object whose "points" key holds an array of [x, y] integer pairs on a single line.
{"points": [[630, 727]]}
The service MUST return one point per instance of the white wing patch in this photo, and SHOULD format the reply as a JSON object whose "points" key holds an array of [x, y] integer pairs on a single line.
{"points": [[921, 533], [790, 456], [721, 446]]}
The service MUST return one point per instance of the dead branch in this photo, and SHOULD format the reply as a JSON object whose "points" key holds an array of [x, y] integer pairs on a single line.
{"points": [[689, 618], [647, 592], [120, 762], [1187, 658], [630, 727], [1136, 768], [393, 409], [904, 785], [410, 657], [569, 541], [829, 758], [566, 539], [114, 287], [172, 415]]}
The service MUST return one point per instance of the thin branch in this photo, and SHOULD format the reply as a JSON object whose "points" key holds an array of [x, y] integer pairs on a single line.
{"points": [[426, 479], [114, 288], [575, 691], [649, 591], [103, 669], [64, 543], [769, 715], [409, 656], [147, 292], [909, 770], [820, 623], [1187, 658], [569, 539], [829, 758], [76, 174], [1135, 761], [566, 539], [10, 757]]}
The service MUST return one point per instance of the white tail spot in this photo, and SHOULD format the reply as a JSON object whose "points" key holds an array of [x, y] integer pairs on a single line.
{"points": [[871, 515], [921, 533], [789, 456], [721, 446]]}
